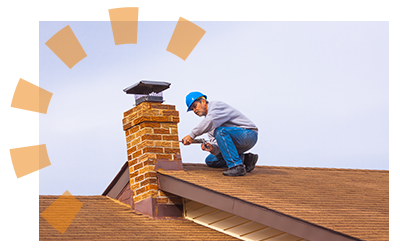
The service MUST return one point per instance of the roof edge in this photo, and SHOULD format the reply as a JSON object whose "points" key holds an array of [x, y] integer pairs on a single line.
{"points": [[257, 213], [116, 179], [327, 168]]}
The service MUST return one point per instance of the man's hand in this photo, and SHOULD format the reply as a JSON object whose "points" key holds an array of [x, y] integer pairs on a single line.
{"points": [[187, 140], [209, 147]]}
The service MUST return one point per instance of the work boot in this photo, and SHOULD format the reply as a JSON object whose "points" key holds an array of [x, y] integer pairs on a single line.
{"points": [[250, 161], [238, 170]]}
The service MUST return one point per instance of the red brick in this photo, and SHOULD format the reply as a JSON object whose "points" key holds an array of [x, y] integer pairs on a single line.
{"points": [[150, 175], [135, 141], [152, 150], [134, 174], [136, 154], [144, 131], [139, 178], [131, 117], [172, 150], [126, 113], [127, 126], [150, 124], [142, 119], [140, 190], [138, 166], [170, 113], [161, 131], [144, 182], [147, 169], [151, 186], [151, 137], [175, 119], [135, 185], [148, 181], [170, 138], [169, 125], [131, 150], [162, 144], [151, 112], [146, 156], [175, 144], [149, 162], [159, 106], [145, 144], [133, 129], [131, 163], [130, 138], [159, 118], [164, 156]]}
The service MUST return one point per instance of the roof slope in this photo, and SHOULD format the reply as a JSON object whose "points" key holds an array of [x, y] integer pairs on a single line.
{"points": [[102, 218], [349, 201]]}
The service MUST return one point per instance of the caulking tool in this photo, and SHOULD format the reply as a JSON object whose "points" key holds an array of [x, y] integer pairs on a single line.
{"points": [[199, 140]]}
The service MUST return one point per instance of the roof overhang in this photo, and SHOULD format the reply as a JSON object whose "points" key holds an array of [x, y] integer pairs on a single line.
{"points": [[250, 211]]}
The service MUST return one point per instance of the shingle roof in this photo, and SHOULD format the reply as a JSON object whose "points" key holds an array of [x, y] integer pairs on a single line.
{"points": [[102, 218], [349, 201]]}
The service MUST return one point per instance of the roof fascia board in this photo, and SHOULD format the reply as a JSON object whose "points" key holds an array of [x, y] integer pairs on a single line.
{"points": [[118, 183], [249, 211]]}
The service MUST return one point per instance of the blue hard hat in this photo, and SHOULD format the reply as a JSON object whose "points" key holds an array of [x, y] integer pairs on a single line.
{"points": [[192, 97]]}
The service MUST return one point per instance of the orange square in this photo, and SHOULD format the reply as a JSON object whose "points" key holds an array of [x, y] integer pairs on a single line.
{"points": [[66, 46], [62, 212], [185, 38], [31, 97], [27, 160]]}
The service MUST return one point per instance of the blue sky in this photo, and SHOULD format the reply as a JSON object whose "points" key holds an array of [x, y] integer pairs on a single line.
{"points": [[318, 91]]}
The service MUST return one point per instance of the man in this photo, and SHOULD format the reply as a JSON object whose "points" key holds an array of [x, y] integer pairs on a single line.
{"points": [[230, 132]]}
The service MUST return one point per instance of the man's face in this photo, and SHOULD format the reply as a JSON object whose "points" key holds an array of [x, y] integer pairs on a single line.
{"points": [[200, 108]]}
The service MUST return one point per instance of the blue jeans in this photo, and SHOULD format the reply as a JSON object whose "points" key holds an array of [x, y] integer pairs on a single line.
{"points": [[233, 142]]}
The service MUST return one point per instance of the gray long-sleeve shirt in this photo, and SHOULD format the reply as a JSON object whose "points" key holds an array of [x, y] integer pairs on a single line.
{"points": [[220, 114]]}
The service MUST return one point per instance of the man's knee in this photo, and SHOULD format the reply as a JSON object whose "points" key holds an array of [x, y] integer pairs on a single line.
{"points": [[210, 160], [214, 161]]}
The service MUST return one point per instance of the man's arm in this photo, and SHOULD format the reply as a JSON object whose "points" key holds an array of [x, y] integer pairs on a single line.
{"points": [[204, 126], [187, 140]]}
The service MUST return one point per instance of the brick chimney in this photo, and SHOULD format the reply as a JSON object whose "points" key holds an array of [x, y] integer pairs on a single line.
{"points": [[152, 137]]}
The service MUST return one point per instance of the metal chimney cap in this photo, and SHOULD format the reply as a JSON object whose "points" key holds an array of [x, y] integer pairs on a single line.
{"points": [[145, 87]]}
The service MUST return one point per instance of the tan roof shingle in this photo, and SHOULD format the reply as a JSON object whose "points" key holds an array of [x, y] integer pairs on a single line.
{"points": [[350, 201], [102, 218]]}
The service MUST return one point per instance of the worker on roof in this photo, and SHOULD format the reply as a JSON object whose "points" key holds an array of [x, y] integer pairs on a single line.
{"points": [[230, 132]]}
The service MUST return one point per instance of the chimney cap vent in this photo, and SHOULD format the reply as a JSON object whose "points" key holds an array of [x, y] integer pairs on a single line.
{"points": [[147, 91], [145, 87]]}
